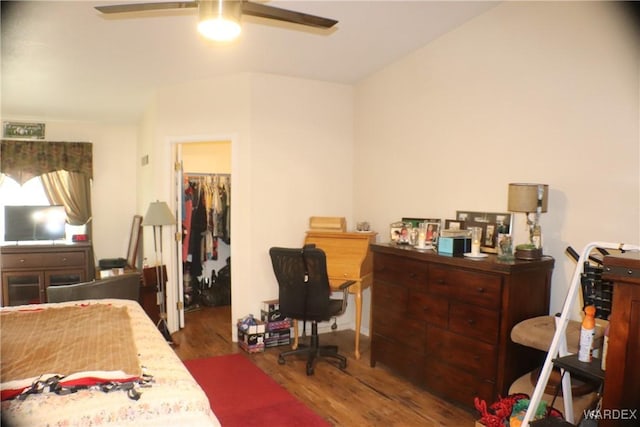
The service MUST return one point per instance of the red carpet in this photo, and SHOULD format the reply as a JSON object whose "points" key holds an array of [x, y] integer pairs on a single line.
{"points": [[242, 395]]}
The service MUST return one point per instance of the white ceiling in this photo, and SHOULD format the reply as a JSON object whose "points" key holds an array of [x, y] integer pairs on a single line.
{"points": [[64, 60]]}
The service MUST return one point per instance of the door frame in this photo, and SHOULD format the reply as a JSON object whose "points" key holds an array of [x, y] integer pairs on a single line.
{"points": [[175, 294]]}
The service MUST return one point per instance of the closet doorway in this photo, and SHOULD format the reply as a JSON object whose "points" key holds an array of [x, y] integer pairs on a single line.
{"points": [[203, 181]]}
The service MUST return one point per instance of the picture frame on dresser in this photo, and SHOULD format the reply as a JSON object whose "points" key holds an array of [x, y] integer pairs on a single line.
{"points": [[489, 222]]}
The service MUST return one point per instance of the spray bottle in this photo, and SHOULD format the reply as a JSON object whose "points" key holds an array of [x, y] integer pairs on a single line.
{"points": [[587, 333]]}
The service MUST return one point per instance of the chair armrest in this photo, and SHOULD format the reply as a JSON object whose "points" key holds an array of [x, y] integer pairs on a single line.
{"points": [[346, 285]]}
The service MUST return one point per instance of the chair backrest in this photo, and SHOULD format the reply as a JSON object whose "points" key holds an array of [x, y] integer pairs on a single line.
{"points": [[595, 291], [303, 282], [123, 286]]}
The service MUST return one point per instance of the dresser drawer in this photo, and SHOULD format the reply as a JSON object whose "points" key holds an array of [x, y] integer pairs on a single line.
{"points": [[21, 260], [403, 271], [407, 363], [455, 384], [388, 297], [475, 357], [408, 334], [472, 287], [474, 322], [430, 308], [63, 259]]}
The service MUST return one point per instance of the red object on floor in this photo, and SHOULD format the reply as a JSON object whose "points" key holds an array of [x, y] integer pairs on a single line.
{"points": [[241, 394]]}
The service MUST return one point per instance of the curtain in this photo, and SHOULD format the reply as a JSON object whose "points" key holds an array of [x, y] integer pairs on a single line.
{"points": [[73, 190], [23, 160]]}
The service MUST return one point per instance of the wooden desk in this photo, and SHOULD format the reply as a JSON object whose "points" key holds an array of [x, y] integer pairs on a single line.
{"points": [[348, 258], [622, 377]]}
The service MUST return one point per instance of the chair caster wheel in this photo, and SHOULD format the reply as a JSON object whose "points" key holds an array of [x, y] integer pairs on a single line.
{"points": [[281, 360], [309, 369], [343, 364], [334, 326]]}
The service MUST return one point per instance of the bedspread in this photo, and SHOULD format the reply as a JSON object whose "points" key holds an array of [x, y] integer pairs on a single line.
{"points": [[173, 399]]}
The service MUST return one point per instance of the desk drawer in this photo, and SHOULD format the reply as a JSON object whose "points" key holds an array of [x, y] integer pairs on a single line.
{"points": [[471, 287], [64, 259], [429, 308]]}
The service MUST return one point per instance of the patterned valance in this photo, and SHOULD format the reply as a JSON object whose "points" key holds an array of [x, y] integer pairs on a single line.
{"points": [[23, 160]]}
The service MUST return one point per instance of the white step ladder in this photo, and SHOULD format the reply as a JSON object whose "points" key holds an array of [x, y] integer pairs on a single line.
{"points": [[558, 343]]}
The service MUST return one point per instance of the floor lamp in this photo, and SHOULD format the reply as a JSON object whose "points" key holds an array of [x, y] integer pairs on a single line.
{"points": [[158, 215]]}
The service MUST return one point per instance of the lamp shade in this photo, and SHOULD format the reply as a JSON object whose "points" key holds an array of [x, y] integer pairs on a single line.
{"points": [[159, 214], [524, 197]]}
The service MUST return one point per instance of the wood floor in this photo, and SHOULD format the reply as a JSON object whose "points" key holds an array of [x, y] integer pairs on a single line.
{"points": [[358, 396]]}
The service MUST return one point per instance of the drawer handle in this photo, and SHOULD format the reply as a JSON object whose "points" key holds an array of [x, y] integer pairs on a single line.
{"points": [[413, 275], [22, 259], [476, 357], [471, 321], [481, 290], [64, 260], [441, 282]]}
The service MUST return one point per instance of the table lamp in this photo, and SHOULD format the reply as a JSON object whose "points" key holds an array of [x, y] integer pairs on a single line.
{"points": [[530, 198]]}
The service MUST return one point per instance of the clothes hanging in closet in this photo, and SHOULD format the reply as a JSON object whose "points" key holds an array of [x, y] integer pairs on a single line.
{"points": [[206, 213]]}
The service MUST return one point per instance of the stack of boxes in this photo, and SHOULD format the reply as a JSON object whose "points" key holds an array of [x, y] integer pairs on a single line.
{"points": [[251, 334], [271, 330], [278, 327]]}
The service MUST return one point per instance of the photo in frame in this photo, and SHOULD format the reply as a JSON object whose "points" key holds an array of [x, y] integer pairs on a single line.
{"points": [[415, 221], [489, 222], [433, 231], [454, 224]]}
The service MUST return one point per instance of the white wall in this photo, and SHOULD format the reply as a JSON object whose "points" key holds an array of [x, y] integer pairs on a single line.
{"points": [[527, 92], [291, 159], [114, 178]]}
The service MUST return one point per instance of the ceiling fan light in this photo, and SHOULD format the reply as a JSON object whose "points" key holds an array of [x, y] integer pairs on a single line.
{"points": [[219, 19]]}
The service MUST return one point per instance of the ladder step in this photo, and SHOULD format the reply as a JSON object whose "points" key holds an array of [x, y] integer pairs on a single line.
{"points": [[551, 422], [590, 370]]}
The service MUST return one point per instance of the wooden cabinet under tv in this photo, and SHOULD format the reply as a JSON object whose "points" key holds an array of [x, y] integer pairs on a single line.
{"points": [[27, 270], [444, 322]]}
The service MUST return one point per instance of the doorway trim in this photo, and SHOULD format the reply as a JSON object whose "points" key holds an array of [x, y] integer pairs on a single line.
{"points": [[175, 311]]}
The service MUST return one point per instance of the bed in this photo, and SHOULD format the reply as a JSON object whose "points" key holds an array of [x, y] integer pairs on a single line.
{"points": [[168, 394]]}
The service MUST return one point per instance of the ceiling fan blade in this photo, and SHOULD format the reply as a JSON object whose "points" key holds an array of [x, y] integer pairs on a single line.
{"points": [[143, 7], [271, 12]]}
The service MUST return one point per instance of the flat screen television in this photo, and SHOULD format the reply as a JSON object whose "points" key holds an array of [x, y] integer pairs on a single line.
{"points": [[34, 223]]}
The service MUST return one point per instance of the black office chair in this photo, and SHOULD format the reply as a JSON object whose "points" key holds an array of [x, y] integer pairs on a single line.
{"points": [[305, 295]]}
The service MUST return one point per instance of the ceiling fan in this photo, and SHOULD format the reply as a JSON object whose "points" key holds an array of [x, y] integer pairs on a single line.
{"points": [[220, 19]]}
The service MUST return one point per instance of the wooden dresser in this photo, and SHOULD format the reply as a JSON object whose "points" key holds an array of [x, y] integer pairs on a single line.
{"points": [[27, 270], [444, 322], [348, 258], [622, 377]]}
